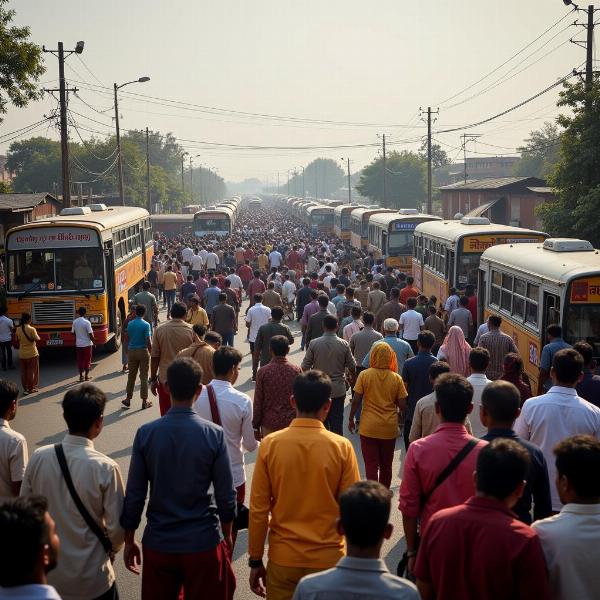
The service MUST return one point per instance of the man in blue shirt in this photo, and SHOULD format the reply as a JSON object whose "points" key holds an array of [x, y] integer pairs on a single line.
{"points": [[589, 387], [187, 541], [555, 343], [211, 296], [400, 347], [415, 374], [138, 356]]}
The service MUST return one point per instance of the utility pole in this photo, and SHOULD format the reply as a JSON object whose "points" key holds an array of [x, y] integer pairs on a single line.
{"points": [[349, 186], [201, 186], [148, 199], [589, 58], [384, 165], [119, 152], [182, 175], [191, 182], [430, 160], [467, 137], [316, 180], [303, 187]]}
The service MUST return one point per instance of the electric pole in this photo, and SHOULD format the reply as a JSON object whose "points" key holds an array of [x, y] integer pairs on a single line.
{"points": [[430, 160], [191, 182], [384, 174], [148, 199], [466, 137], [349, 186], [182, 175], [589, 59], [303, 187], [316, 180]]}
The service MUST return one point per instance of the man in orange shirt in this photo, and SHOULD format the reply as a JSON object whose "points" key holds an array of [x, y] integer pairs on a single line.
{"points": [[409, 291], [302, 461]]}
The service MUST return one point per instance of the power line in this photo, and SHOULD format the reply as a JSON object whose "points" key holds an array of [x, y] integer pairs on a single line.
{"points": [[88, 69]]}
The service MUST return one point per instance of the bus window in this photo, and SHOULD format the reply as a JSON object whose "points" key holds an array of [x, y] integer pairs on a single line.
{"points": [[506, 297], [496, 287], [400, 243], [533, 295], [468, 265], [582, 322]]}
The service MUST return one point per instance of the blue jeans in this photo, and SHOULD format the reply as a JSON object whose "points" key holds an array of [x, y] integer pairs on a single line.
{"points": [[228, 338], [170, 299]]}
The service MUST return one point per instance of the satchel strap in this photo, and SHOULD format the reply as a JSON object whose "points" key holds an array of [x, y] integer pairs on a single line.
{"points": [[91, 523], [214, 409]]}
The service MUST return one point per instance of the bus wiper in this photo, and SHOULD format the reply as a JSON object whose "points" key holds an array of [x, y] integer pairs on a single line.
{"points": [[82, 293], [29, 290]]}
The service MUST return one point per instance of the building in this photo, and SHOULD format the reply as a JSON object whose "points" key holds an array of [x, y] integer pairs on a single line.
{"points": [[479, 167], [19, 209], [505, 200]]}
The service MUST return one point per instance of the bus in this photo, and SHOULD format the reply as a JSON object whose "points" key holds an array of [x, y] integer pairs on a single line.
{"points": [[91, 256], [171, 224], [359, 225], [190, 209], [342, 220], [446, 253], [213, 221], [319, 219], [532, 286], [254, 203], [391, 236]]}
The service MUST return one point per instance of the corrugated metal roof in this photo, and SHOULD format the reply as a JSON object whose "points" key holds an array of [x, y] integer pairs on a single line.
{"points": [[22, 201], [492, 183], [541, 190]]}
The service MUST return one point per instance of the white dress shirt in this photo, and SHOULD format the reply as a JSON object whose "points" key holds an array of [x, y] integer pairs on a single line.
{"points": [[186, 254], [258, 315], [571, 544], [479, 381], [32, 591], [212, 261], [552, 417], [13, 458], [288, 290], [235, 410], [236, 282], [196, 262], [84, 570], [411, 321]]}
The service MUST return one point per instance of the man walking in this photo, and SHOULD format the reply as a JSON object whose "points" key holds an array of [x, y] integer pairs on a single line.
{"points": [[555, 343], [257, 315], [303, 538], [7, 329], [224, 320], [84, 342], [85, 570], [187, 541], [262, 348], [314, 327], [202, 353], [411, 324], [498, 344], [400, 347], [13, 445], [390, 310], [148, 301], [138, 356]]}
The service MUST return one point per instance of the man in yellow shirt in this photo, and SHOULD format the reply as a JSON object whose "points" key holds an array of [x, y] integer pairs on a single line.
{"points": [[196, 315], [170, 283], [299, 475]]}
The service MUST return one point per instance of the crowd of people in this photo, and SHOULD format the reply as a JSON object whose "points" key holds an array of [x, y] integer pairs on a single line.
{"points": [[500, 488]]}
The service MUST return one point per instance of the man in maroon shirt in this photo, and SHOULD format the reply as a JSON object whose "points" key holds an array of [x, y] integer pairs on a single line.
{"points": [[245, 273], [256, 286], [294, 260], [479, 550]]}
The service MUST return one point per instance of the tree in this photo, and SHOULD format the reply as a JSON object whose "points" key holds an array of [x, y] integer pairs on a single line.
{"points": [[439, 157], [21, 63], [405, 180], [576, 177], [541, 152], [5, 187], [35, 163], [322, 177]]}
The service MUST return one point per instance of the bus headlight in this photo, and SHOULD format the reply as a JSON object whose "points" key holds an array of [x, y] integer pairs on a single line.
{"points": [[96, 319]]}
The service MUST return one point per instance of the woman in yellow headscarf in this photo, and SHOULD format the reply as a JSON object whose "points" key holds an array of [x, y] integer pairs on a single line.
{"points": [[382, 392]]}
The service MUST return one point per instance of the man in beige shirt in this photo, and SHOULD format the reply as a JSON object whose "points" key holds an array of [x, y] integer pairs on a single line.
{"points": [[202, 353], [376, 299], [169, 339], [84, 571], [270, 297], [362, 293], [13, 446]]}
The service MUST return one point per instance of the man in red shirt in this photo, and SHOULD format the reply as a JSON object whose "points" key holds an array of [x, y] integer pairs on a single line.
{"points": [[409, 291], [294, 260], [256, 286], [428, 457], [245, 273], [479, 550]]}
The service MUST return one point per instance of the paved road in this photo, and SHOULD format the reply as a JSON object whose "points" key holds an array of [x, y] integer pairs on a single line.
{"points": [[40, 419]]}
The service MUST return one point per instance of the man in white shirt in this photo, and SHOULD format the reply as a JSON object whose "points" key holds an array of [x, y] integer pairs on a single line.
{"points": [[257, 315], [212, 260], [235, 413], [275, 258], [85, 570], [411, 323], [203, 254], [196, 263], [288, 295], [186, 254], [452, 302], [548, 419], [13, 446], [84, 342], [6, 330], [479, 360], [24, 564], [236, 282], [571, 539]]}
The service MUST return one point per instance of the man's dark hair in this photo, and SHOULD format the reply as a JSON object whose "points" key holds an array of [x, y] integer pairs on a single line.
{"points": [[81, 311], [311, 391], [227, 283], [330, 323], [454, 395], [410, 280], [368, 318], [306, 281], [502, 400], [411, 303], [140, 310], [279, 345], [463, 301], [184, 377], [258, 297], [222, 297], [212, 337], [501, 467], [376, 285], [356, 312], [479, 359], [82, 406], [314, 294], [277, 313], [9, 392], [554, 331], [340, 288], [495, 320], [189, 278], [199, 330], [432, 310], [437, 368], [578, 459], [24, 531], [365, 512], [146, 285], [178, 310], [426, 339], [568, 365], [256, 274], [224, 359], [349, 292], [323, 301], [586, 351]]}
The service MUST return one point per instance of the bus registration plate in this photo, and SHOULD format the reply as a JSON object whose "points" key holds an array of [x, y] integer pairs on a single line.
{"points": [[54, 342]]}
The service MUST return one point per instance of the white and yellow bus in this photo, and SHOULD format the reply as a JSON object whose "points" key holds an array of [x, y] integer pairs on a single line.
{"points": [[446, 253], [532, 286], [342, 220], [391, 236], [91, 256], [359, 225]]}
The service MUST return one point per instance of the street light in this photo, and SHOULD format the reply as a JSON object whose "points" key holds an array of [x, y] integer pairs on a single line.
{"points": [[119, 154], [182, 173]]}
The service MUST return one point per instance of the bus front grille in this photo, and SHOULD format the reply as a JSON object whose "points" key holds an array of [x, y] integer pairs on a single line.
{"points": [[48, 313]]}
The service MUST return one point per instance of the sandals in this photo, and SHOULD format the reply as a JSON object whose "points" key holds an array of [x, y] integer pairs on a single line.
{"points": [[125, 404], [146, 404]]}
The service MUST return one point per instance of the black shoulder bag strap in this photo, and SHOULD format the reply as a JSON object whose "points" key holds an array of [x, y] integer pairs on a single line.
{"points": [[96, 529]]}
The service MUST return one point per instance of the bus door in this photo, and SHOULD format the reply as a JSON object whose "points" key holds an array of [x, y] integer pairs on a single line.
{"points": [[144, 241], [551, 313], [384, 238], [111, 292], [481, 295], [450, 267]]}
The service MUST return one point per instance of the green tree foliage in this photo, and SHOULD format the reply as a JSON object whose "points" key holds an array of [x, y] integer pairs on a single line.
{"points": [[5, 187], [35, 163], [541, 152], [322, 177], [20, 63], [405, 180], [439, 157], [576, 178]]}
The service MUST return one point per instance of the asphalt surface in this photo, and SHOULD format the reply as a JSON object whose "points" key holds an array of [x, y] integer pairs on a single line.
{"points": [[39, 418]]}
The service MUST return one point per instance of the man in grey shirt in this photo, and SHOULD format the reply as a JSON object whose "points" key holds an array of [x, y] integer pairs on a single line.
{"points": [[462, 317], [361, 341], [364, 521], [332, 355]]}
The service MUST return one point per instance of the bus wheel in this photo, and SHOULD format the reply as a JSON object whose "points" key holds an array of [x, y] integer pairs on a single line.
{"points": [[115, 342]]}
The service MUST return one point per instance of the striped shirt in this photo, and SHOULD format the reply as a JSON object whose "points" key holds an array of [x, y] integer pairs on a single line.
{"points": [[498, 344]]}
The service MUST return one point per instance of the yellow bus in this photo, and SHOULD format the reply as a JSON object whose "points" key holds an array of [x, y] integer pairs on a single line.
{"points": [[446, 253], [319, 219], [359, 225], [342, 220], [91, 256], [214, 220], [172, 224], [532, 286], [391, 236]]}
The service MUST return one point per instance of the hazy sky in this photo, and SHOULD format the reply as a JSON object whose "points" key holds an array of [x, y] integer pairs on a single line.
{"points": [[368, 66]]}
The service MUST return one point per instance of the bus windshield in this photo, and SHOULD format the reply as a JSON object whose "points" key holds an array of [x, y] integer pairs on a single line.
{"points": [[582, 322], [214, 224], [400, 243], [58, 269], [321, 218], [468, 268], [346, 220]]}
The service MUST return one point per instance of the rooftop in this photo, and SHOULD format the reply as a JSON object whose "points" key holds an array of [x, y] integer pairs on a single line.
{"points": [[20, 202], [496, 183]]}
